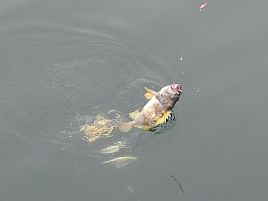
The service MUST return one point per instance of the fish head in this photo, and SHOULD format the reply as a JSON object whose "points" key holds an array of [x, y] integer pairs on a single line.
{"points": [[169, 95]]}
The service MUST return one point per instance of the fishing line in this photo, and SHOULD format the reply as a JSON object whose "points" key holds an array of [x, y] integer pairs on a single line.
{"points": [[179, 72], [179, 66]]}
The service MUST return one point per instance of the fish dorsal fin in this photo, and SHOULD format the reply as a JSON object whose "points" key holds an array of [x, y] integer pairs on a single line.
{"points": [[164, 118], [149, 93], [134, 115], [148, 96]]}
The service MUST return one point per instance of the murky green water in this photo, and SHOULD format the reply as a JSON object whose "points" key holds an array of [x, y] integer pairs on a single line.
{"points": [[61, 60]]}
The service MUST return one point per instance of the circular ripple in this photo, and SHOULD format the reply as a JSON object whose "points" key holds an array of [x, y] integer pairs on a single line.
{"points": [[50, 76]]}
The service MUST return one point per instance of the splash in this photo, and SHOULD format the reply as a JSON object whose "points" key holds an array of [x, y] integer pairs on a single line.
{"points": [[101, 127]]}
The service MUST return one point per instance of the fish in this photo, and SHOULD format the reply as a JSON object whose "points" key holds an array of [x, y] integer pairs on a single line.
{"points": [[121, 161], [157, 110]]}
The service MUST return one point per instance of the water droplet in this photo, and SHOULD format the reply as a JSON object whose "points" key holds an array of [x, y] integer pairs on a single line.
{"points": [[197, 91], [130, 189]]}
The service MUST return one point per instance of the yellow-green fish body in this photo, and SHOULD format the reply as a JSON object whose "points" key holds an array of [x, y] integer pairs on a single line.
{"points": [[157, 111]]}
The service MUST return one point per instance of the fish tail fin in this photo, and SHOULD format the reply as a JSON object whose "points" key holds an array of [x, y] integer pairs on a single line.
{"points": [[134, 115], [126, 126]]}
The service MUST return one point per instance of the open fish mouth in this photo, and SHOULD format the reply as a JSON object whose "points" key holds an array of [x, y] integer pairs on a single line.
{"points": [[176, 88]]}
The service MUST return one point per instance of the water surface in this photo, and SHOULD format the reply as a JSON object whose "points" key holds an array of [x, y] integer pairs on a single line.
{"points": [[61, 59]]}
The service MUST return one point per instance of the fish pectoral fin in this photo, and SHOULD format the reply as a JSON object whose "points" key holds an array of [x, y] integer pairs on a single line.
{"points": [[149, 93], [148, 96], [134, 115], [163, 118], [126, 126]]}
